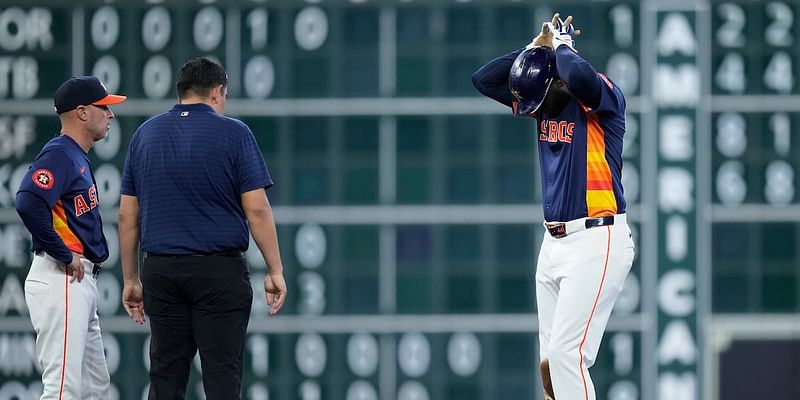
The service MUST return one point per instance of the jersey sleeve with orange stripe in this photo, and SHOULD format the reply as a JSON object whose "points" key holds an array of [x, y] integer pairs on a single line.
{"points": [[61, 177], [38, 203], [49, 175]]}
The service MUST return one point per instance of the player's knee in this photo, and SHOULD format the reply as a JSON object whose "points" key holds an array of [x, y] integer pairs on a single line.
{"points": [[561, 356], [588, 359], [557, 356]]}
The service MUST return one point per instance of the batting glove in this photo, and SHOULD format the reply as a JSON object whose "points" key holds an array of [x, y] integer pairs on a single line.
{"points": [[562, 35]]}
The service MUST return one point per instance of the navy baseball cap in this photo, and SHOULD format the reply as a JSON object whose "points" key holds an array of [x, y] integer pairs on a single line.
{"points": [[83, 91]]}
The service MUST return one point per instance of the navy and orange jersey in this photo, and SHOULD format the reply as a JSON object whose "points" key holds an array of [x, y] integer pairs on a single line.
{"points": [[60, 182], [580, 149]]}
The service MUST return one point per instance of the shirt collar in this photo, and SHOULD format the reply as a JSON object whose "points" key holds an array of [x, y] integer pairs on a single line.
{"points": [[72, 141], [192, 107]]}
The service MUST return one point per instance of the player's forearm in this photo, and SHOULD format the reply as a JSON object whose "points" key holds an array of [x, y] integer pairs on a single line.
{"points": [[579, 75], [38, 218], [129, 239], [491, 80], [262, 227]]}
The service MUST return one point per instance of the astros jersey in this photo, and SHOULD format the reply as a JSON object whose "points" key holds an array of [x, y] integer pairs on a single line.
{"points": [[62, 176], [580, 154]]}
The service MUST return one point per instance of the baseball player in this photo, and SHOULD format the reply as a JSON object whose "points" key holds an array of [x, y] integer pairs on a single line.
{"points": [[587, 250], [58, 203]]}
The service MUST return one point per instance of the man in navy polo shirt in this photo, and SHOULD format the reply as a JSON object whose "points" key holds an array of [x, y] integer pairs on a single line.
{"points": [[193, 183], [57, 201]]}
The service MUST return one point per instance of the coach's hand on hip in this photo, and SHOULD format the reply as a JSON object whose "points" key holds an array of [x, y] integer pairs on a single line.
{"points": [[275, 289], [75, 268]]}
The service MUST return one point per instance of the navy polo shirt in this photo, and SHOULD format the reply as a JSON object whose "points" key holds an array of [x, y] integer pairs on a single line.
{"points": [[188, 168]]}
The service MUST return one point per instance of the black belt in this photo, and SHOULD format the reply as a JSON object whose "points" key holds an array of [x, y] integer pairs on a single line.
{"points": [[95, 267], [230, 253], [559, 229]]}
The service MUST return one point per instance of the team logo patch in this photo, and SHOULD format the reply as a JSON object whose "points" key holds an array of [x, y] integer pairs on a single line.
{"points": [[43, 178]]}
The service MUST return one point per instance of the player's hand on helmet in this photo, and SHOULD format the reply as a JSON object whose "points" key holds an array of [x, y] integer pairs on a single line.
{"points": [[544, 39], [76, 269], [275, 289], [133, 301], [556, 32], [564, 33], [566, 25]]}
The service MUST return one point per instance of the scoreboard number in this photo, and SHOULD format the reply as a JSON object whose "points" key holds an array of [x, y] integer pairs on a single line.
{"points": [[362, 354], [105, 28], [108, 70], [414, 354], [312, 293], [258, 391], [157, 77], [781, 127], [310, 390], [730, 33], [779, 74], [731, 137], [412, 390], [731, 75], [258, 346], [778, 33], [208, 26], [156, 28], [779, 189], [622, 347], [311, 28], [257, 21], [622, 19], [311, 354]]}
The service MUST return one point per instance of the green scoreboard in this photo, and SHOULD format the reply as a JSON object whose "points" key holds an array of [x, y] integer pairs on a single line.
{"points": [[408, 206]]}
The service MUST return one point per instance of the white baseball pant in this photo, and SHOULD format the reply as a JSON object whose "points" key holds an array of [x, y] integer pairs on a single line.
{"points": [[578, 280], [68, 342]]}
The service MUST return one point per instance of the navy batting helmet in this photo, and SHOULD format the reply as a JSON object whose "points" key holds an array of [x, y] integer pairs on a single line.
{"points": [[530, 77]]}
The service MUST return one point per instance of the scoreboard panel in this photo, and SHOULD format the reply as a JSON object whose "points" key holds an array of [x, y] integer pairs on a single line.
{"points": [[463, 282], [407, 205], [754, 156]]}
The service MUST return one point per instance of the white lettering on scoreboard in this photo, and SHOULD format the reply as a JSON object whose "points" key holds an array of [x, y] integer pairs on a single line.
{"points": [[677, 92], [22, 30], [12, 296]]}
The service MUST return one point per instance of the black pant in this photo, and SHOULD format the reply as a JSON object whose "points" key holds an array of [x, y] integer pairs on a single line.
{"points": [[196, 303]]}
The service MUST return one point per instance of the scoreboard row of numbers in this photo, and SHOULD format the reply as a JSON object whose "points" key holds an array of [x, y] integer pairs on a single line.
{"points": [[313, 366], [753, 158], [252, 37], [755, 48], [287, 50], [332, 276]]}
